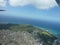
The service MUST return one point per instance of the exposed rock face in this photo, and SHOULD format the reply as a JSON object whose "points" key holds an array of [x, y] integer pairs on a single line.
{"points": [[56, 42], [8, 37]]}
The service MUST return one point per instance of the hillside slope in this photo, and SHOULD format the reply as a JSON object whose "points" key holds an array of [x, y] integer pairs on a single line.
{"points": [[24, 34]]}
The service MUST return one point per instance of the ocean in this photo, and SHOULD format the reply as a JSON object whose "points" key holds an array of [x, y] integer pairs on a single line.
{"points": [[52, 27]]}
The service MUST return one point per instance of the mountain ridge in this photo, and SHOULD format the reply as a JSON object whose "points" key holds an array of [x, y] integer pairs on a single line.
{"points": [[39, 35]]}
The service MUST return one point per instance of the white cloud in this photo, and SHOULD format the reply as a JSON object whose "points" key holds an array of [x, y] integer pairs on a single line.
{"points": [[19, 2], [41, 4], [2, 3]]}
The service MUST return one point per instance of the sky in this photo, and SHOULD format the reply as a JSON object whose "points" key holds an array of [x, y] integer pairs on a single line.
{"points": [[47, 10]]}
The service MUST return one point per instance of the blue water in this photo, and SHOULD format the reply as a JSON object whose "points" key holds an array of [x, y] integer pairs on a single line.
{"points": [[52, 27]]}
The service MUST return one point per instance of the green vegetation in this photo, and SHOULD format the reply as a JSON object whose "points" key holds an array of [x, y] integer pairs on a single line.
{"points": [[37, 33]]}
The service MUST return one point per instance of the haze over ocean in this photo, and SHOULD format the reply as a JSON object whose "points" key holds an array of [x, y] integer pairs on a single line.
{"points": [[53, 27]]}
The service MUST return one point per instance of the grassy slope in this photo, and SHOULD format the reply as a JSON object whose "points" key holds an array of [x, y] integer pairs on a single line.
{"points": [[47, 37]]}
